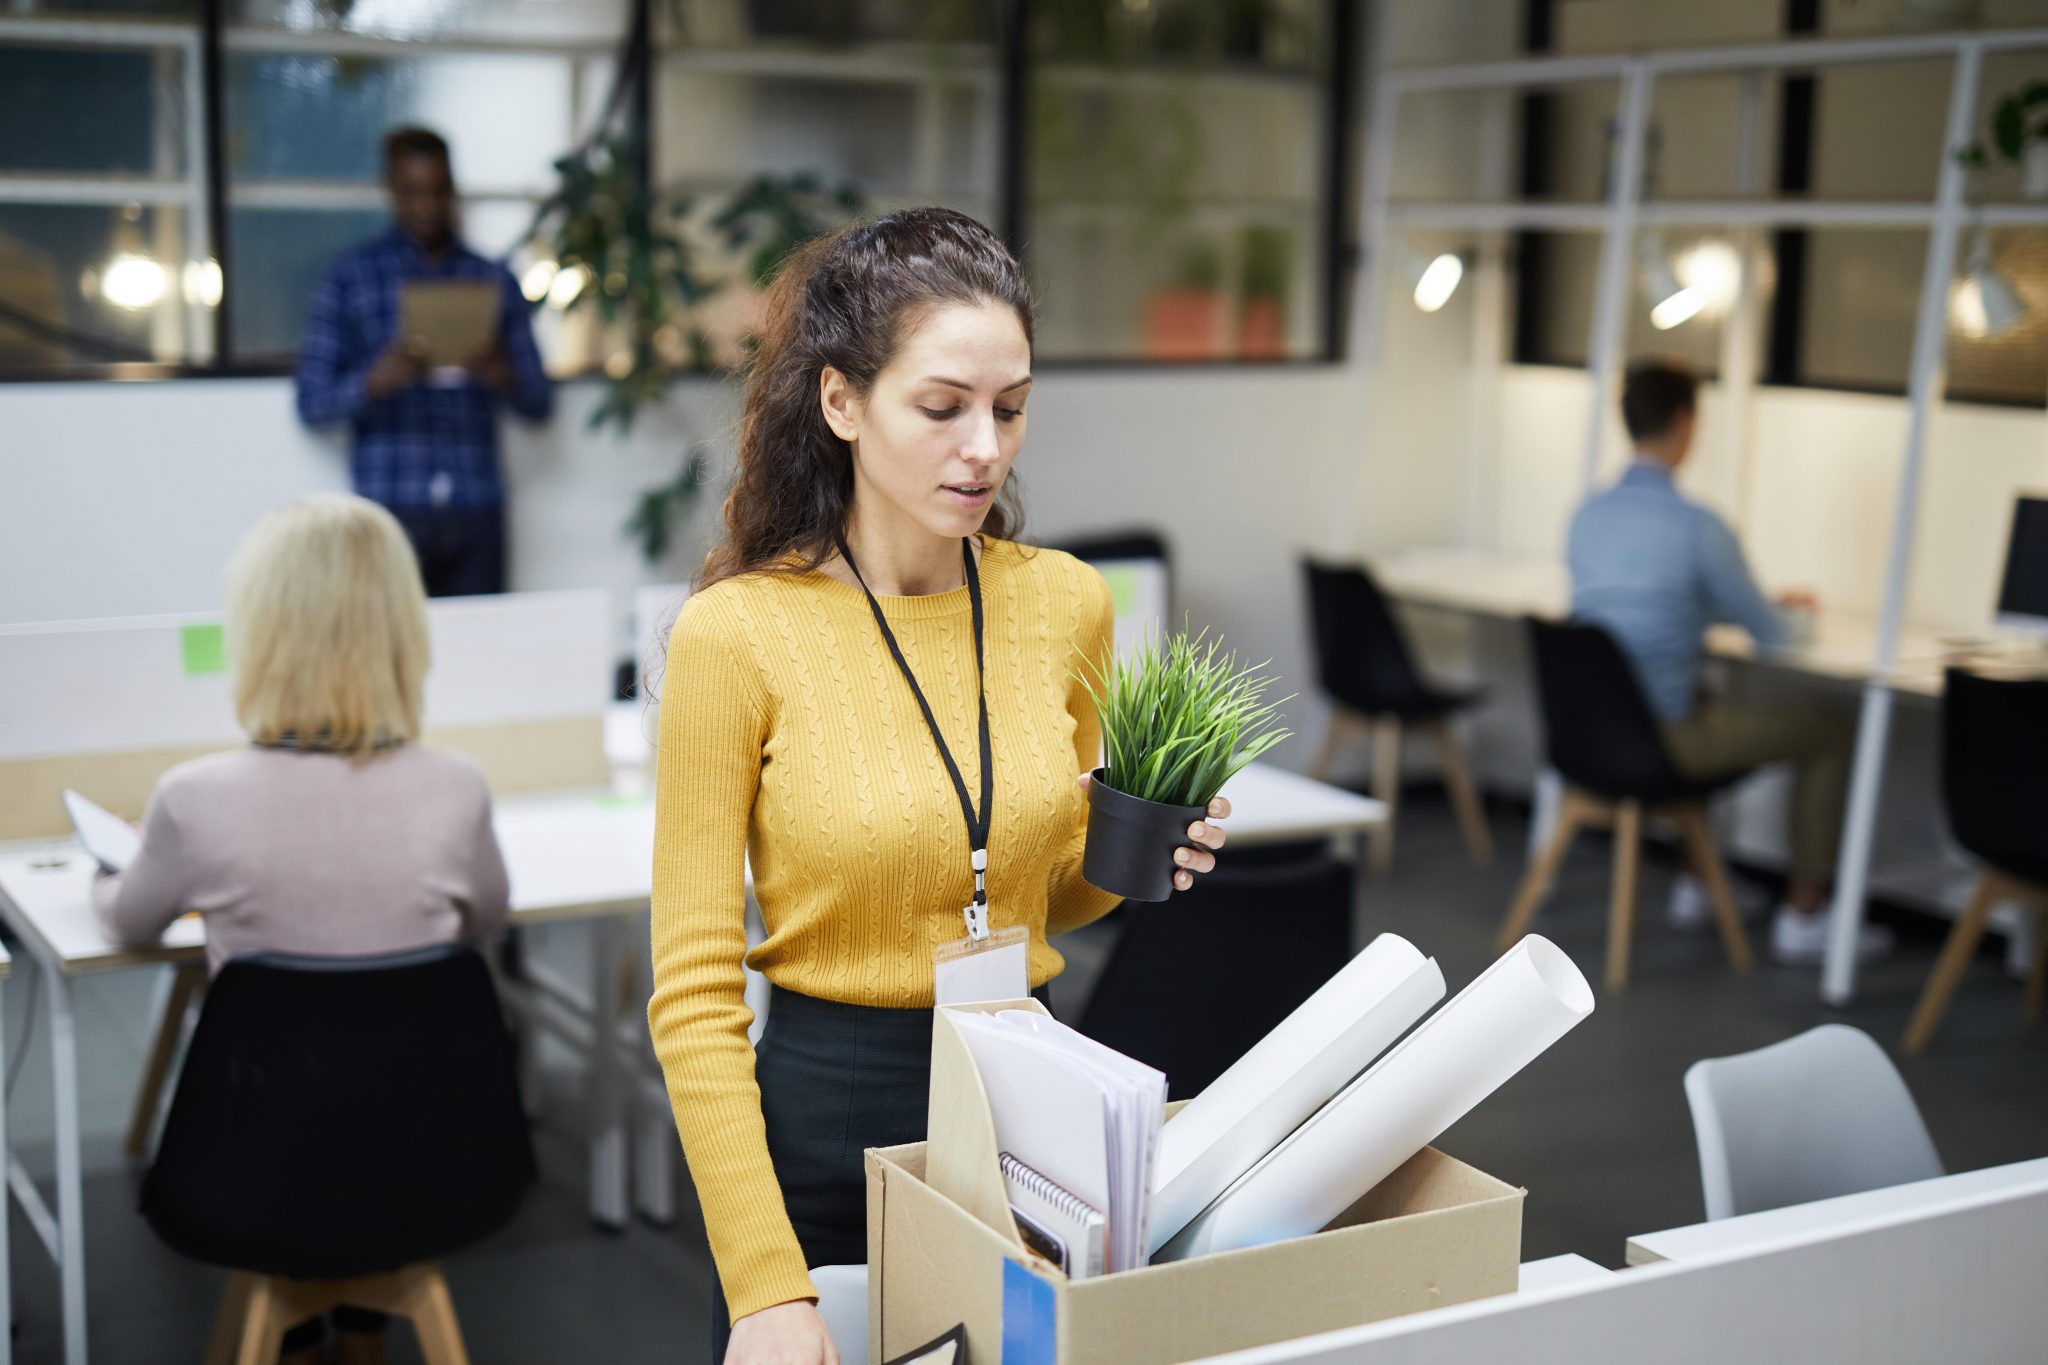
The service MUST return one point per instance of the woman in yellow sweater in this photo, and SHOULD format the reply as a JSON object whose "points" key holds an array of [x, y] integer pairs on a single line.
{"points": [[872, 681]]}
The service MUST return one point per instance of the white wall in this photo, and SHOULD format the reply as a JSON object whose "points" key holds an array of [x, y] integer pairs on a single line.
{"points": [[129, 498]]}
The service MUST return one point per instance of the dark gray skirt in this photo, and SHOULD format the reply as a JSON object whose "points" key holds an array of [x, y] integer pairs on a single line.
{"points": [[835, 1080]]}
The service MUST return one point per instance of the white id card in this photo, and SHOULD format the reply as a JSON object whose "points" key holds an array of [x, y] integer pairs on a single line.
{"points": [[995, 966]]}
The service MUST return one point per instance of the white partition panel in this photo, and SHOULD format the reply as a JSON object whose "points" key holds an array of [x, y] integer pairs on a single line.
{"points": [[160, 682], [1960, 1284]]}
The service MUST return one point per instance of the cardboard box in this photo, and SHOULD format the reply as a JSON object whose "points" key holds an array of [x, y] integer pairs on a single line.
{"points": [[1435, 1232]]}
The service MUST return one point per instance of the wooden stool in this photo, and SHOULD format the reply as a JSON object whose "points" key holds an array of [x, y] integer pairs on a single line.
{"points": [[1580, 810], [257, 1310], [1994, 886]]}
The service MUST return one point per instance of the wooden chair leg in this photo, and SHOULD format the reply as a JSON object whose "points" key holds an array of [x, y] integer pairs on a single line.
{"points": [[434, 1322], [1333, 738], [1706, 860], [2037, 974], [227, 1320], [1464, 799], [1954, 961], [187, 979], [1621, 916], [263, 1324], [1386, 786], [1536, 881]]}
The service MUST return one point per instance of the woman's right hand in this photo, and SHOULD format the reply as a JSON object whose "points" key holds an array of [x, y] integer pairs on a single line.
{"points": [[787, 1334]]}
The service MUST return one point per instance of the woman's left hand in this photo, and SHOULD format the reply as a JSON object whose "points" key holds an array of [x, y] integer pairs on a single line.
{"points": [[1207, 837]]}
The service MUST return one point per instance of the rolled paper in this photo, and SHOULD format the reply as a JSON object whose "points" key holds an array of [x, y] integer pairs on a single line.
{"points": [[1287, 1076], [1504, 1020]]}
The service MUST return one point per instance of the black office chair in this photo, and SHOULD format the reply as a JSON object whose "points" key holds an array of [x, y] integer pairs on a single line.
{"points": [[1366, 667], [1191, 986], [339, 1126], [1606, 744], [1994, 780]]}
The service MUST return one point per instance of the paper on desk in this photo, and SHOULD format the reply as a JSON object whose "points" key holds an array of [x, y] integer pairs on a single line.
{"points": [[1493, 1028], [1287, 1076]]}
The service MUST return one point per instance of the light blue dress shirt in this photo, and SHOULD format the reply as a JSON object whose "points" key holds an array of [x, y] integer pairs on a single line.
{"points": [[1656, 569]]}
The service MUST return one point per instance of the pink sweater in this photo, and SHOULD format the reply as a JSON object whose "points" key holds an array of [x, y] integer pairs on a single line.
{"points": [[311, 853]]}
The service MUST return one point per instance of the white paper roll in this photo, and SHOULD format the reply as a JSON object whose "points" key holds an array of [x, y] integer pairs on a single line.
{"points": [[1287, 1076], [1493, 1028]]}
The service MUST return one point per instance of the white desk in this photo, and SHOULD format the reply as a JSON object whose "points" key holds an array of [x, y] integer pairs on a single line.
{"points": [[570, 856], [1843, 647], [1552, 1271], [1775, 1227], [1843, 650]]}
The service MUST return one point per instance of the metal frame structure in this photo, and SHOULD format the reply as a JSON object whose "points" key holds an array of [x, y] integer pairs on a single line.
{"points": [[1618, 219]]}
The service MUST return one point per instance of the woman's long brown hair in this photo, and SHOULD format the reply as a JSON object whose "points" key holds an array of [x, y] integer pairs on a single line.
{"points": [[847, 301]]}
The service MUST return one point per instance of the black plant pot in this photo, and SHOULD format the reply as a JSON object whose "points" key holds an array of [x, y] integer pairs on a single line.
{"points": [[1131, 842]]}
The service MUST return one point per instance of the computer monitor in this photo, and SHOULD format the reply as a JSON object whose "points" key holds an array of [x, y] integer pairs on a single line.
{"points": [[2023, 596]]}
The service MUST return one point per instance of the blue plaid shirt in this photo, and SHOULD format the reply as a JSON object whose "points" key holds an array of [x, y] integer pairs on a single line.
{"points": [[430, 445]]}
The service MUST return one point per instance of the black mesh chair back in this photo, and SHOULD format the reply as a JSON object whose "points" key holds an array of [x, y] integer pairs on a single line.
{"points": [[1192, 985], [1601, 732], [342, 1116], [1994, 770], [1362, 655]]}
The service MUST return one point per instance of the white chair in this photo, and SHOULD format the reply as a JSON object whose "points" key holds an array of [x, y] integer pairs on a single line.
{"points": [[1815, 1116], [843, 1303]]}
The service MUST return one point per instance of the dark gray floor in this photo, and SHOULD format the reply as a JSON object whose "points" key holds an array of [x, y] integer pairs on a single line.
{"points": [[1596, 1130]]}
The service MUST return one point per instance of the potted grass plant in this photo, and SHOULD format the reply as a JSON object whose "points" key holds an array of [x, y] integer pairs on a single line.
{"points": [[1179, 718]]}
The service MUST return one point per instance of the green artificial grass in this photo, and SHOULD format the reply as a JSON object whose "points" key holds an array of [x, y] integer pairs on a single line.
{"points": [[1180, 717]]}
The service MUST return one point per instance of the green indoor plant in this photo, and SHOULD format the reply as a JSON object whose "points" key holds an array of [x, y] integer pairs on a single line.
{"points": [[2019, 137], [1179, 718]]}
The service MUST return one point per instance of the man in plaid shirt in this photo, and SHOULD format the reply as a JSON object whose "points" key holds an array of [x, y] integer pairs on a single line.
{"points": [[423, 444]]}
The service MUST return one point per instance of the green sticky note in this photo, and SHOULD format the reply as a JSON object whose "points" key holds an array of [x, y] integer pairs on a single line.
{"points": [[615, 801], [1123, 588], [205, 649]]}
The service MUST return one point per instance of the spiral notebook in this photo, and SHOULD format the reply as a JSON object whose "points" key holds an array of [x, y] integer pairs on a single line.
{"points": [[1054, 1222]]}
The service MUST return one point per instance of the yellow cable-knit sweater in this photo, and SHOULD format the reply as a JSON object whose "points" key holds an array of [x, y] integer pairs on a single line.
{"points": [[787, 732]]}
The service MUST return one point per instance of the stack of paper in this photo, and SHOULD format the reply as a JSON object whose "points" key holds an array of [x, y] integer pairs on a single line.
{"points": [[1289, 1075], [1082, 1115], [1454, 1059]]}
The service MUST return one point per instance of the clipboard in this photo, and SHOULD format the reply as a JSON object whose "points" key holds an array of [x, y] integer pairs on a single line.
{"points": [[453, 319]]}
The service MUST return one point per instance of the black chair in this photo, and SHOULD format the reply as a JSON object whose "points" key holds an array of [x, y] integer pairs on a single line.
{"points": [[1994, 780], [1606, 744], [340, 1125], [1366, 667], [1192, 985]]}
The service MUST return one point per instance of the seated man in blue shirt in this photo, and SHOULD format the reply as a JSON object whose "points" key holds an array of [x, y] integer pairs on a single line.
{"points": [[1656, 569], [424, 445]]}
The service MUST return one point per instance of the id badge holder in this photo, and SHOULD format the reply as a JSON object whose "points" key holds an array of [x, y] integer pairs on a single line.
{"points": [[985, 965]]}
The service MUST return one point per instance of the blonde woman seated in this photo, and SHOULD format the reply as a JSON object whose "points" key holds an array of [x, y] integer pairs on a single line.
{"points": [[333, 832]]}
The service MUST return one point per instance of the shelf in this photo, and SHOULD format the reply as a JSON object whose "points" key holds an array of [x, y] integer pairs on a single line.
{"points": [[1199, 213], [245, 39], [873, 64], [1178, 80], [97, 189], [82, 31]]}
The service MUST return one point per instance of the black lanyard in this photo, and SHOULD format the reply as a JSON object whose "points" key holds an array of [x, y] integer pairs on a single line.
{"points": [[977, 825]]}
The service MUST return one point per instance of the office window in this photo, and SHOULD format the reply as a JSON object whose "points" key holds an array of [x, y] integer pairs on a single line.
{"points": [[103, 245], [309, 90], [1170, 173], [895, 105], [1838, 304], [1180, 168]]}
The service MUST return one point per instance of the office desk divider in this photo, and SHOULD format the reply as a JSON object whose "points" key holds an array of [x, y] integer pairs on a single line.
{"points": [[519, 681], [1435, 1232]]}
